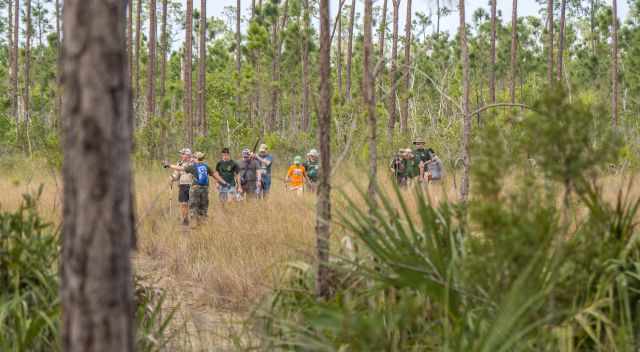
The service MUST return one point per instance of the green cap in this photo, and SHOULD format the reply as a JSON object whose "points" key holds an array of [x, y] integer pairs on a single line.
{"points": [[297, 159]]}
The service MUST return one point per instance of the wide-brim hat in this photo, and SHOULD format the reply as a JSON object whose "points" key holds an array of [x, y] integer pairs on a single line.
{"points": [[418, 141]]}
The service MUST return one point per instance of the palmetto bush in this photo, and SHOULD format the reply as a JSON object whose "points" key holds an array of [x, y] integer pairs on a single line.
{"points": [[515, 269]]}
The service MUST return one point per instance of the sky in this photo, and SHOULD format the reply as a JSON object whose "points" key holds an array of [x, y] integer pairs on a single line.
{"points": [[450, 23]]}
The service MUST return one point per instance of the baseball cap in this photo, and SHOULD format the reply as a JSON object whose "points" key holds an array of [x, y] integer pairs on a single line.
{"points": [[246, 152], [185, 151], [297, 159], [313, 152]]}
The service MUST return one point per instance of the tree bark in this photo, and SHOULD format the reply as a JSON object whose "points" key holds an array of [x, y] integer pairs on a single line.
{"points": [[98, 221], [151, 76], [514, 51], [275, 67], [164, 43], [437, 18], [383, 30], [339, 53], [16, 56], [352, 19], [563, 8], [136, 93], [130, 41], [614, 64], [58, 103], [27, 65], [466, 126], [404, 106], [369, 86], [492, 69], [238, 55], [391, 103], [188, 94], [202, 73], [305, 67], [550, 30], [323, 207]]}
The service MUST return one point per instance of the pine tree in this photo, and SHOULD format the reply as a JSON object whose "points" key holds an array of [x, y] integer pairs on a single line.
{"points": [[151, 77], [466, 126], [188, 95]]}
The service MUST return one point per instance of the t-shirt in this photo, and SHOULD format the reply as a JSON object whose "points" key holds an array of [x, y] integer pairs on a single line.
{"points": [[193, 170], [248, 170], [422, 154], [296, 174], [227, 169], [413, 167], [312, 168], [183, 178], [265, 168]]}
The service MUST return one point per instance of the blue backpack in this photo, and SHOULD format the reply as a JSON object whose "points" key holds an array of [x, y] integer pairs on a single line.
{"points": [[202, 176]]}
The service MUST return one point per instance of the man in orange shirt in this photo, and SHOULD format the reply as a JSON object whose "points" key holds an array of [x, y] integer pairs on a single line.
{"points": [[296, 176]]}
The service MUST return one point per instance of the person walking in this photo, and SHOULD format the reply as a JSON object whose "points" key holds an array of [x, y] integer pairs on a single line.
{"points": [[398, 167], [312, 168], [199, 197], [184, 181], [228, 172], [266, 160], [250, 178], [296, 176], [422, 156]]}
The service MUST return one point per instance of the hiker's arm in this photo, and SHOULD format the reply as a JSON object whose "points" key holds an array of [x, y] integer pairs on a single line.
{"points": [[265, 161], [217, 177]]}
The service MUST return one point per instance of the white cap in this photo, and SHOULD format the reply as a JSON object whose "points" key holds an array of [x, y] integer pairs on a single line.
{"points": [[313, 152], [185, 151]]}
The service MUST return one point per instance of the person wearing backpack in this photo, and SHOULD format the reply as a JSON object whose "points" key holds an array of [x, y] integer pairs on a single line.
{"points": [[250, 178], [199, 197], [312, 168]]}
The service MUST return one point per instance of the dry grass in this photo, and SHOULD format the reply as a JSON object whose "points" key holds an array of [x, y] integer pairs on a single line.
{"points": [[217, 271]]}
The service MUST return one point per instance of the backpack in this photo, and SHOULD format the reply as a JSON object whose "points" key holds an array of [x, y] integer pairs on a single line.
{"points": [[202, 174], [312, 171]]}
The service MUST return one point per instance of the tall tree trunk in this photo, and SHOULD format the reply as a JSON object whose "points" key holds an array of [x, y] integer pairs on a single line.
{"points": [[369, 85], [238, 55], [305, 66], [323, 207], [10, 49], [492, 69], [404, 106], [352, 19], [275, 67], [136, 92], [202, 73], [151, 76], [382, 33], [614, 64], [27, 66], [550, 30], [58, 103], [130, 41], [339, 54], [466, 126], [563, 8], [16, 57], [438, 13], [98, 230], [188, 95], [164, 43], [514, 51], [391, 100]]}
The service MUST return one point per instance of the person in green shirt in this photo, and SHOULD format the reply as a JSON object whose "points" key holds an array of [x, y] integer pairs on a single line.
{"points": [[228, 172], [312, 168], [413, 168], [399, 169]]}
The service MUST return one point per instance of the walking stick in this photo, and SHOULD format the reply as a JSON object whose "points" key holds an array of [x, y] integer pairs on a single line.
{"points": [[171, 200]]}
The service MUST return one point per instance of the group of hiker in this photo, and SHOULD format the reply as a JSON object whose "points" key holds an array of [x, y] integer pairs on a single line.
{"points": [[247, 178], [421, 164]]}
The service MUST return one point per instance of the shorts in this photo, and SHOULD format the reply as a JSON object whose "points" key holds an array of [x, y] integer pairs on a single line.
{"points": [[199, 204], [227, 192], [297, 189], [183, 193]]}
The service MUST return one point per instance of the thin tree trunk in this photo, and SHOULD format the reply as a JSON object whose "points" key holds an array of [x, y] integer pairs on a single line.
{"points": [[238, 55], [305, 66], [369, 85], [10, 49], [58, 103], [130, 41], [98, 230], [202, 74], [383, 30], [391, 103], [614, 64], [352, 19], [151, 76], [275, 68], [404, 106], [136, 93], [188, 94], [27, 66], [163, 59], [438, 18], [16, 55], [514, 51], [339, 54], [563, 8], [466, 126], [492, 69], [323, 207], [550, 29]]}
